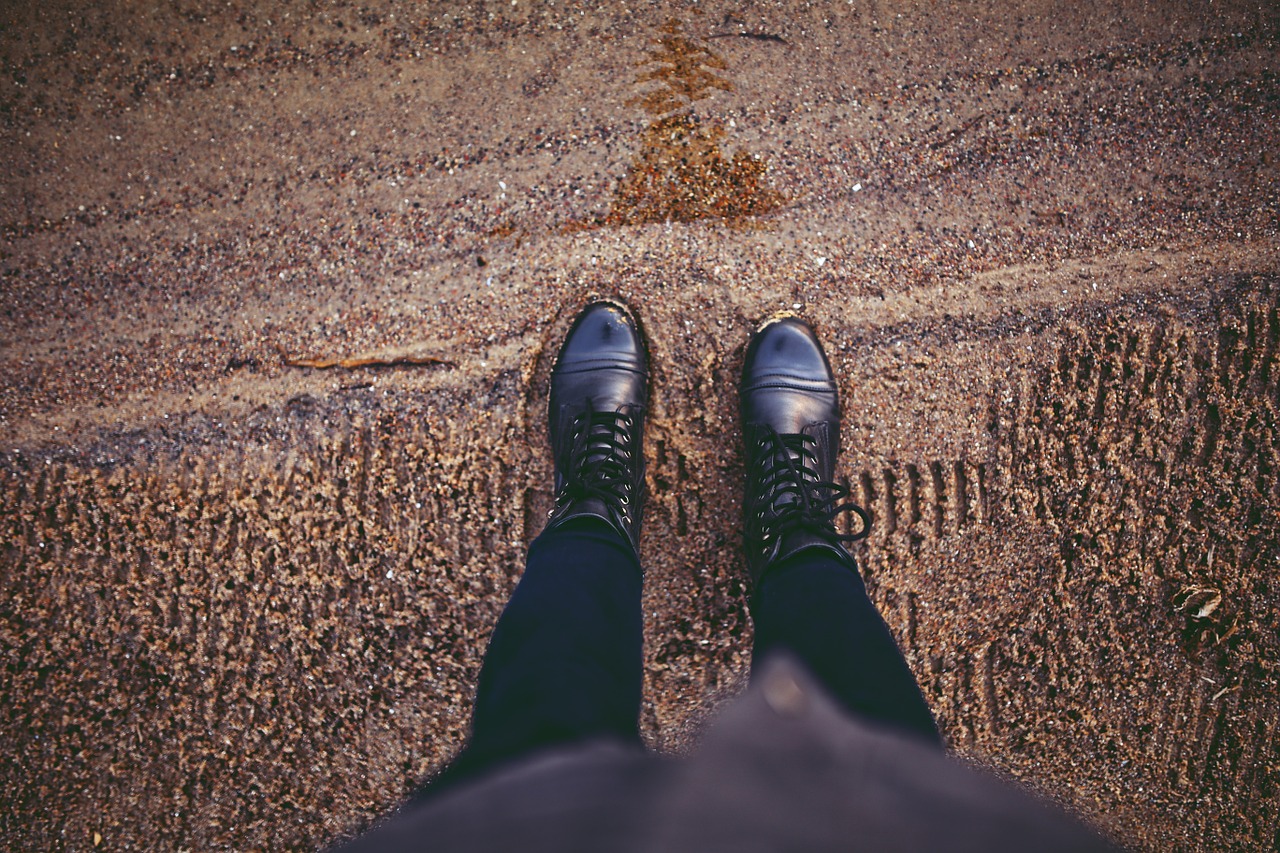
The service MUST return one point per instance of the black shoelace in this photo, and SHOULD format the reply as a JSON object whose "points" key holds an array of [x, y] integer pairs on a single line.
{"points": [[599, 464], [797, 499]]}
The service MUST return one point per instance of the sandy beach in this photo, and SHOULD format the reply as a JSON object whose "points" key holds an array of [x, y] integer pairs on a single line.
{"points": [[280, 287]]}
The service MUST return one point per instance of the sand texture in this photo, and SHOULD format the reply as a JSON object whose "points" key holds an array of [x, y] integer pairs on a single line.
{"points": [[280, 287]]}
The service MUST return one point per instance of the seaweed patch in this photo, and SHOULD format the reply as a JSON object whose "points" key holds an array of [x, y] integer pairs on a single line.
{"points": [[680, 172]]}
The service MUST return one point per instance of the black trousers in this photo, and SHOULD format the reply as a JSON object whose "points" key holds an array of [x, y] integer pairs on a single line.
{"points": [[564, 663]]}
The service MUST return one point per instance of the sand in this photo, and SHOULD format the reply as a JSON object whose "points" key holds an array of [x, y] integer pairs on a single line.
{"points": [[245, 599]]}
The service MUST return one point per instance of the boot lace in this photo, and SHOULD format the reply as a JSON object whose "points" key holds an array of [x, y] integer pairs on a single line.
{"points": [[599, 464], [795, 497]]}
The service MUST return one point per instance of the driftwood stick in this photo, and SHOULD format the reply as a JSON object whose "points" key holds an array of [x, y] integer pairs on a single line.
{"points": [[362, 361]]}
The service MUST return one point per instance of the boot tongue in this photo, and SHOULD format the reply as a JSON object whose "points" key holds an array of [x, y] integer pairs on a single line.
{"points": [[601, 442], [781, 460], [788, 456]]}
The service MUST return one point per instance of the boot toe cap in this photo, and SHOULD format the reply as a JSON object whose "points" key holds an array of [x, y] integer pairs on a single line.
{"points": [[786, 380], [604, 331], [786, 349]]}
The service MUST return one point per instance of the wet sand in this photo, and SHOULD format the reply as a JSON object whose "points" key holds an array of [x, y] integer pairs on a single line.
{"points": [[245, 598]]}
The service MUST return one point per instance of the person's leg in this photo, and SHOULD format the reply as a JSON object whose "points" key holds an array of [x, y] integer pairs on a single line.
{"points": [[808, 596], [816, 607], [564, 663]]}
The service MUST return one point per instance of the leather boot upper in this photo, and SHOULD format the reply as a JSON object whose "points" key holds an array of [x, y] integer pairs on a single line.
{"points": [[599, 396], [791, 430]]}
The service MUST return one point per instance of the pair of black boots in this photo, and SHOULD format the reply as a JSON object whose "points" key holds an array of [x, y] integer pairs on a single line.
{"points": [[790, 421]]}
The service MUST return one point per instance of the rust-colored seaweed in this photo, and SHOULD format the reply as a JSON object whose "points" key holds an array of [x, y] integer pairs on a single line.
{"points": [[680, 173]]}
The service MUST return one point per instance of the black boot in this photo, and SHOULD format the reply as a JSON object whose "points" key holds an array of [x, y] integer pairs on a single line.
{"points": [[599, 394], [791, 425]]}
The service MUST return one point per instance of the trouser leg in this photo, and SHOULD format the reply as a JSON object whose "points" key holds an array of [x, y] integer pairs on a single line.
{"points": [[813, 606], [564, 663]]}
